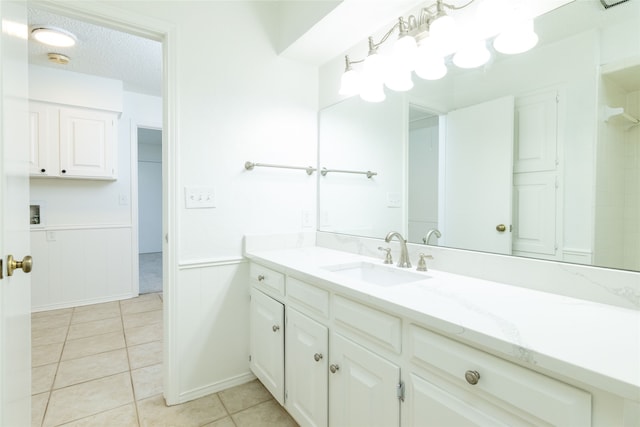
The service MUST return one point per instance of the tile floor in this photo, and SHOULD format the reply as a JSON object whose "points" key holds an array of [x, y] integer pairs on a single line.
{"points": [[101, 365], [150, 272]]}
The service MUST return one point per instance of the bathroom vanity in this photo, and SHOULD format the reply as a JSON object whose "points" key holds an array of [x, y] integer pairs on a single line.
{"points": [[341, 339]]}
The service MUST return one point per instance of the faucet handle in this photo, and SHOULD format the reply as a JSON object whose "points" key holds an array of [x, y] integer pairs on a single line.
{"points": [[387, 258], [422, 264]]}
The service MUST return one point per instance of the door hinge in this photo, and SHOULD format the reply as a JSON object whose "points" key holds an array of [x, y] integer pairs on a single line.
{"points": [[400, 391]]}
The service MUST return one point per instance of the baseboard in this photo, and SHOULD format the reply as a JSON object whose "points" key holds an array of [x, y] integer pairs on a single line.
{"points": [[213, 388], [79, 303]]}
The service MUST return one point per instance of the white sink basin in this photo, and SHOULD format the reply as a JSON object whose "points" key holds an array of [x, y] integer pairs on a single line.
{"points": [[376, 274]]}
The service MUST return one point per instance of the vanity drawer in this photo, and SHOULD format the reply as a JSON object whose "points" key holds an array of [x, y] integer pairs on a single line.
{"points": [[550, 400], [378, 327], [310, 297], [266, 278]]}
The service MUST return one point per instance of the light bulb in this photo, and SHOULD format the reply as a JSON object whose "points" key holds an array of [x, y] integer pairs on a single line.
{"points": [[374, 67], [398, 78], [431, 68], [349, 84], [474, 53], [518, 37], [404, 52], [443, 27], [372, 91], [491, 17]]}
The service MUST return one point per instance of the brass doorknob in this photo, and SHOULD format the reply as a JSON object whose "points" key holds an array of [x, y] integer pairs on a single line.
{"points": [[501, 228], [25, 264]]}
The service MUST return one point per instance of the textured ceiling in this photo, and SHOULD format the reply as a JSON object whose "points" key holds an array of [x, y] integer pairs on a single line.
{"points": [[102, 52]]}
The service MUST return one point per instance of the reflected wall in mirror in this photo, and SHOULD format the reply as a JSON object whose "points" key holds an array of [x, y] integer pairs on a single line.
{"points": [[565, 182]]}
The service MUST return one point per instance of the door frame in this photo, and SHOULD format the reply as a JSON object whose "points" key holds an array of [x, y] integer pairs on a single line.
{"points": [[103, 14]]}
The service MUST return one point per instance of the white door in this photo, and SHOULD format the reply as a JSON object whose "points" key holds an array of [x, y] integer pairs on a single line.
{"points": [[15, 321], [362, 387], [306, 378], [478, 177]]}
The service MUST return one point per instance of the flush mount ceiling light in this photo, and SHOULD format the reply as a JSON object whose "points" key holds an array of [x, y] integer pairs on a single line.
{"points": [[425, 40], [53, 36]]}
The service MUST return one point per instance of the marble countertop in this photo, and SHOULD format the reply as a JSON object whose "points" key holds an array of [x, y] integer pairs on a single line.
{"points": [[593, 343]]}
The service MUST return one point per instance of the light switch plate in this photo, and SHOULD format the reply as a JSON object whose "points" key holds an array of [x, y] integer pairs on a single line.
{"points": [[199, 197]]}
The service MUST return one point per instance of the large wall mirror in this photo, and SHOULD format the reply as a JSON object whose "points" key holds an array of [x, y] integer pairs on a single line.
{"points": [[534, 155]]}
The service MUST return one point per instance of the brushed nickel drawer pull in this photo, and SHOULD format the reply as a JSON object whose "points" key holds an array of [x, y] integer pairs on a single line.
{"points": [[472, 377]]}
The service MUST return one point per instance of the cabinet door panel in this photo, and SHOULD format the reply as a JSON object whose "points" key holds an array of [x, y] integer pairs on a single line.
{"points": [[267, 343], [39, 142], [306, 378], [431, 406], [86, 143], [362, 391]]}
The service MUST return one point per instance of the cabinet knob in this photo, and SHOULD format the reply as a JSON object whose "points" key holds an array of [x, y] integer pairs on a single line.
{"points": [[317, 357], [472, 377], [43, 170], [275, 328], [64, 171], [334, 368], [260, 278]]}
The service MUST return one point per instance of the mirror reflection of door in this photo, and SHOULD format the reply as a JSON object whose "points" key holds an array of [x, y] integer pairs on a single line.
{"points": [[478, 163], [423, 173], [150, 209]]}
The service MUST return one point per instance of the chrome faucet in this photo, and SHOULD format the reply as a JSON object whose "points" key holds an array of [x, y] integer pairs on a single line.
{"points": [[435, 231], [404, 261]]}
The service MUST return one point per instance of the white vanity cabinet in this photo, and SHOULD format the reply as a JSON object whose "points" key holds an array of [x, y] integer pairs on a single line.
{"points": [[266, 342], [347, 362], [451, 384], [72, 142]]}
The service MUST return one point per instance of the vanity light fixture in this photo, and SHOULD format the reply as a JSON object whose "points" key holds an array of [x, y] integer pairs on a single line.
{"points": [[53, 36], [426, 42]]}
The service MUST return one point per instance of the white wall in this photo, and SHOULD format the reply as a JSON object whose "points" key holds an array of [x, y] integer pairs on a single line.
{"points": [[236, 100]]}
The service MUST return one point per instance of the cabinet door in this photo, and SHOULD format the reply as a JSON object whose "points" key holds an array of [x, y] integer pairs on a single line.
{"points": [[306, 369], [39, 139], [266, 343], [363, 388], [87, 143]]}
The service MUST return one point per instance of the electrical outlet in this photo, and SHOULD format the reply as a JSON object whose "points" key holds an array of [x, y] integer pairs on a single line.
{"points": [[199, 197], [394, 200]]}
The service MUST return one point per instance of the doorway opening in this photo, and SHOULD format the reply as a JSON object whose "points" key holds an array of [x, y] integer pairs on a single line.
{"points": [[149, 149]]}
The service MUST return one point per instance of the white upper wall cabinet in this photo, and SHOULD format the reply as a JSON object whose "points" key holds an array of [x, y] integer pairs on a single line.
{"points": [[71, 142]]}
